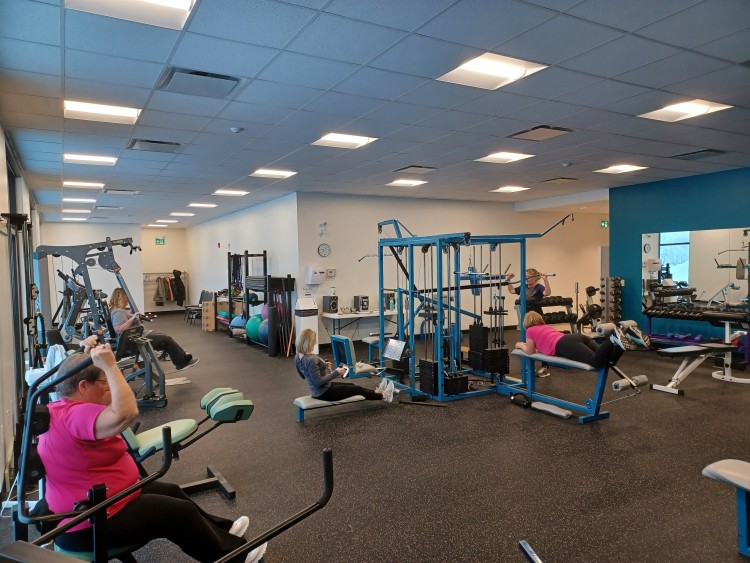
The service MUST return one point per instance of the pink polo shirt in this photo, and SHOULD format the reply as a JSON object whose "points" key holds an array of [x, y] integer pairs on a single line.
{"points": [[545, 338], [75, 460]]}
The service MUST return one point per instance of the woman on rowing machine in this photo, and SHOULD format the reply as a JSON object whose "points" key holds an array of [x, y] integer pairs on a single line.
{"points": [[540, 337]]}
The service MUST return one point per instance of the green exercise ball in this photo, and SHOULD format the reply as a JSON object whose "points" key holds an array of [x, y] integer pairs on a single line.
{"points": [[251, 328]]}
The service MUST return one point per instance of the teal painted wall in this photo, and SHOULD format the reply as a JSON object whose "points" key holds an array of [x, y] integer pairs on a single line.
{"points": [[710, 201]]}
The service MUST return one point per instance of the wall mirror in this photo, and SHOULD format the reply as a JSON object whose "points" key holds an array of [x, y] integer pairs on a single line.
{"points": [[715, 263]]}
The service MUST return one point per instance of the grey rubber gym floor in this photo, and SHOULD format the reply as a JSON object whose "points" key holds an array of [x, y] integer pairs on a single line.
{"points": [[468, 481]]}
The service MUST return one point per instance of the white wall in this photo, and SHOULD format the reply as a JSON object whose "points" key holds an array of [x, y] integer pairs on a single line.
{"points": [[271, 226], [70, 234], [160, 260], [570, 251]]}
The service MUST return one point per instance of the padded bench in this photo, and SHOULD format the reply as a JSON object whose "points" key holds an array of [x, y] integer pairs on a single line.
{"points": [[591, 406], [735, 473], [308, 403], [694, 356]]}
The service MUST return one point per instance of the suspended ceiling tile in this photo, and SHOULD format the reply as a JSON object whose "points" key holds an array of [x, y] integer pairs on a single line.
{"points": [[415, 133], [30, 21], [544, 112], [292, 134], [184, 103], [601, 93], [343, 104], [223, 127], [496, 103], [491, 22], [372, 128], [453, 120], [93, 128], [441, 95], [112, 70], [342, 39], [542, 44], [424, 56], [699, 24], [260, 22], [620, 55], [30, 83], [710, 86], [29, 57], [393, 13], [734, 47], [319, 122], [210, 54], [398, 112], [162, 134], [376, 83], [672, 69], [630, 15], [255, 113], [588, 118], [277, 94], [117, 37], [550, 83], [32, 104], [103, 141], [313, 72], [17, 120]]}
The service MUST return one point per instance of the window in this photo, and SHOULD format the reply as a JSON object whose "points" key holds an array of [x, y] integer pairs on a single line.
{"points": [[674, 251]]}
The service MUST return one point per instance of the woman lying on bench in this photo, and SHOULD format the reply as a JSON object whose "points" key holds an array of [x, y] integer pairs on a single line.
{"points": [[83, 448], [540, 337], [319, 376]]}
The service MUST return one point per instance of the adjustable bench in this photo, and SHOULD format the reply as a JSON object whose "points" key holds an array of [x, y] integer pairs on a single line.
{"points": [[694, 356], [308, 403], [591, 409], [737, 474]]}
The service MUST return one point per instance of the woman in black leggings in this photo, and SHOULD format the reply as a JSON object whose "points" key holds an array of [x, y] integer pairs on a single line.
{"points": [[319, 376]]}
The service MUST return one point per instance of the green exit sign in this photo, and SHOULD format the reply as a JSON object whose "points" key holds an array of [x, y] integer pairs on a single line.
{"points": [[161, 241], [604, 223]]}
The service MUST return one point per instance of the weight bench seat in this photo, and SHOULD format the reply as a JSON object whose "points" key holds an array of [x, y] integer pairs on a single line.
{"points": [[737, 474], [555, 361], [692, 357], [308, 403]]}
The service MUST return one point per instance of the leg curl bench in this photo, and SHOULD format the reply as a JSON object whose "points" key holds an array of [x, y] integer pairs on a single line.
{"points": [[308, 403], [737, 474], [694, 356], [591, 409], [222, 405]]}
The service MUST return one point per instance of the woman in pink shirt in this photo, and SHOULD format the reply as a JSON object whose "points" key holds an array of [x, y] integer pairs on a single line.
{"points": [[540, 337], [83, 448]]}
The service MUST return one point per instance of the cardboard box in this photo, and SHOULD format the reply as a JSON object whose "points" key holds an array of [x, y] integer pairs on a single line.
{"points": [[208, 316]]}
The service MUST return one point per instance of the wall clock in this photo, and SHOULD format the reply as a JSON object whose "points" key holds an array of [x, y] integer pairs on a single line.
{"points": [[324, 249]]}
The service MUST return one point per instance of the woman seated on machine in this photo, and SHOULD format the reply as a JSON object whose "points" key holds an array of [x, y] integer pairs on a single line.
{"points": [[317, 372], [123, 319], [541, 337], [83, 448]]}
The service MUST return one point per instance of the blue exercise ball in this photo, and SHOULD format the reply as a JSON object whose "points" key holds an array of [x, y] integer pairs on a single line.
{"points": [[263, 332]]}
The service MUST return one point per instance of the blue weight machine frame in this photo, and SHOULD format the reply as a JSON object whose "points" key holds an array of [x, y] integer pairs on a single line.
{"points": [[410, 301]]}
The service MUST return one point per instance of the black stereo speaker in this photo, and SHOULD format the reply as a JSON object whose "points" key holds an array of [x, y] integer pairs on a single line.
{"points": [[361, 303], [330, 303]]}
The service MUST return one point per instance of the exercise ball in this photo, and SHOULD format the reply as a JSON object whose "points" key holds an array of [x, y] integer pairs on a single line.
{"points": [[264, 312], [224, 314], [251, 328], [263, 332]]}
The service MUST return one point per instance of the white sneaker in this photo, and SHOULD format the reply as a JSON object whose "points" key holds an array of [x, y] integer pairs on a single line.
{"points": [[390, 389], [382, 385], [256, 554], [240, 526]]}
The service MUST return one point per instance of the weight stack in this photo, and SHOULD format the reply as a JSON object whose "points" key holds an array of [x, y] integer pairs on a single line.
{"points": [[479, 337], [476, 359], [454, 384], [428, 376], [496, 360]]}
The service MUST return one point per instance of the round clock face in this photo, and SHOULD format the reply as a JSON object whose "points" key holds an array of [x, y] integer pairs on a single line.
{"points": [[647, 247], [324, 249]]}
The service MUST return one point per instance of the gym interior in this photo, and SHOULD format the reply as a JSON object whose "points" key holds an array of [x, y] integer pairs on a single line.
{"points": [[397, 248]]}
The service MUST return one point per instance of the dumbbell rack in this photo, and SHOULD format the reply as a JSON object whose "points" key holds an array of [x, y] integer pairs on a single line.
{"points": [[611, 298], [558, 317]]}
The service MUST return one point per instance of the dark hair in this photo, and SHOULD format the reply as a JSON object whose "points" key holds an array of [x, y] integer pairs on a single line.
{"points": [[69, 386]]}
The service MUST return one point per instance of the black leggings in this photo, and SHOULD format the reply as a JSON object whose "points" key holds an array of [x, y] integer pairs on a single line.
{"points": [[581, 348], [166, 342], [163, 510], [338, 390]]}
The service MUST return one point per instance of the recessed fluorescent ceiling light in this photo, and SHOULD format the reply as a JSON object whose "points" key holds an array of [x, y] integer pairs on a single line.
{"points": [[342, 141], [182, 214], [171, 14], [72, 184], [407, 183], [504, 157], [491, 71], [74, 218], [620, 168], [166, 221], [270, 173], [201, 205], [510, 189], [99, 112], [76, 211], [78, 200], [89, 159], [684, 110], [230, 192], [165, 226]]}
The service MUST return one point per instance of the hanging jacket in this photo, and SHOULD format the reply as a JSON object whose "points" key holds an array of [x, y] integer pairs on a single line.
{"points": [[159, 293], [179, 287]]}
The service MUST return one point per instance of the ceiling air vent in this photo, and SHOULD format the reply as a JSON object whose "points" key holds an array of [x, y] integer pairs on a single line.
{"points": [[540, 133], [153, 146], [559, 180], [121, 192], [414, 169], [198, 83], [697, 155]]}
